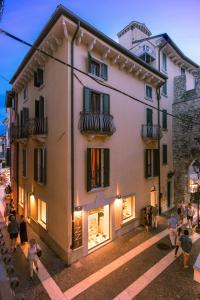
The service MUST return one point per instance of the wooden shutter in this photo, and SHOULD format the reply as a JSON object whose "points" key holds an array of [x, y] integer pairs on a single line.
{"points": [[44, 165], [86, 99], [41, 107], [40, 76], [146, 163], [164, 154], [156, 162], [25, 116], [104, 71], [37, 109], [36, 79], [106, 173], [106, 104], [89, 63], [36, 164], [149, 116], [89, 175], [164, 119]]}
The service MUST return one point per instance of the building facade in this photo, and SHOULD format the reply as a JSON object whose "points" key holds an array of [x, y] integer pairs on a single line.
{"points": [[87, 134]]}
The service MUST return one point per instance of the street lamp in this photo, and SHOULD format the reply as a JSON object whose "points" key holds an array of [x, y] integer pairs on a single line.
{"points": [[196, 168]]}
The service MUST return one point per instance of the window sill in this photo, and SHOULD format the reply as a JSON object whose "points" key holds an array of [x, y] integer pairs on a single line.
{"points": [[133, 219], [152, 177], [165, 129], [148, 98], [40, 87], [164, 71], [24, 177], [164, 95], [22, 205], [97, 77], [97, 189], [25, 100], [40, 183], [42, 224]]}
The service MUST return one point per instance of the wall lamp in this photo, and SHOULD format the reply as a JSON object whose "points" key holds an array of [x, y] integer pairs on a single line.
{"points": [[78, 211]]}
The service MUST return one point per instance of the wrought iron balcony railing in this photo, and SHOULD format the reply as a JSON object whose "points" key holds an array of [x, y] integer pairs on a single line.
{"points": [[36, 126], [96, 123], [151, 132]]}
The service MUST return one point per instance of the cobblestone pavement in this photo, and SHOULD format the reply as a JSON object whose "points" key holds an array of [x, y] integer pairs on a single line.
{"points": [[173, 283]]}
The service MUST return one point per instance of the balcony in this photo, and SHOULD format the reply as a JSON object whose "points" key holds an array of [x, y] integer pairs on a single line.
{"points": [[96, 123], [34, 127], [151, 132]]}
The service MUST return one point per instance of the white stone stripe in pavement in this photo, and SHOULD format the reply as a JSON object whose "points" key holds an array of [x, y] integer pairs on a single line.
{"points": [[117, 263], [144, 280]]}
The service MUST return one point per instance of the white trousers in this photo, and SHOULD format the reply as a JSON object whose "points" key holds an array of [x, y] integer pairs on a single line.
{"points": [[172, 236]]}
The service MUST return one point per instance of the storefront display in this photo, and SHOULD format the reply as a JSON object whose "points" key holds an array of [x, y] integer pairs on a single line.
{"points": [[98, 226], [128, 209]]}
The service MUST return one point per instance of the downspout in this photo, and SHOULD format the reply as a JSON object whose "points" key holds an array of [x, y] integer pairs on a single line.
{"points": [[158, 117], [72, 131]]}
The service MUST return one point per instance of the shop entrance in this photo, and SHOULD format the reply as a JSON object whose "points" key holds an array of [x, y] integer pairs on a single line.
{"points": [[98, 226], [153, 196]]}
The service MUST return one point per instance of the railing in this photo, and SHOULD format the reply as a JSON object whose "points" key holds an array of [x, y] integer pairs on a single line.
{"points": [[96, 123], [151, 132], [36, 126]]}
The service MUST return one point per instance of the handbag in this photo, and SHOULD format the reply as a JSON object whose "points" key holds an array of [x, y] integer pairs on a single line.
{"points": [[39, 251]]}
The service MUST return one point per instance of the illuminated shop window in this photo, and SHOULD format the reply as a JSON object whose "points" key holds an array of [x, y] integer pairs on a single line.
{"points": [[98, 226], [42, 212], [21, 199], [128, 209]]}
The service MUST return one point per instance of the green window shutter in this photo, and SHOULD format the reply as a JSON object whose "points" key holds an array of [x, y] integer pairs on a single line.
{"points": [[89, 63], [164, 119], [36, 164], [44, 165], [156, 161], [149, 116], [164, 154], [146, 163], [106, 175], [37, 109], [40, 77], [104, 71], [86, 99], [89, 175], [106, 104], [41, 107]]}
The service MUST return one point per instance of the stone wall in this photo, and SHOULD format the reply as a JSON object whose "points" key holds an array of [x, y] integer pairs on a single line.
{"points": [[186, 133]]}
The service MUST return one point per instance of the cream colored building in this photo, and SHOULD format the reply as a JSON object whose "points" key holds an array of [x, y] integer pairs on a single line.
{"points": [[88, 155]]}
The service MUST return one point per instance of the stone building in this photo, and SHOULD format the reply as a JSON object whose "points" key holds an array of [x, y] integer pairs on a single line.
{"points": [[186, 135]]}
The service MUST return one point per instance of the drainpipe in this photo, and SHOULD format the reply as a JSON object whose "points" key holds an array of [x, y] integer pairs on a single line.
{"points": [[72, 131], [158, 117]]}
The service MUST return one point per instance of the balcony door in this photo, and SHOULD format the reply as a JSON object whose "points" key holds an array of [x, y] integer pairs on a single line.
{"points": [[39, 108], [149, 122], [94, 102]]}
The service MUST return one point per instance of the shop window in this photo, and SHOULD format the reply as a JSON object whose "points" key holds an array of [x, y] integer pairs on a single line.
{"points": [[98, 226], [42, 214], [128, 208]]}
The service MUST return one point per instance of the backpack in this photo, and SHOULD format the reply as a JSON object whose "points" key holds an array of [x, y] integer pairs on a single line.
{"points": [[178, 210]]}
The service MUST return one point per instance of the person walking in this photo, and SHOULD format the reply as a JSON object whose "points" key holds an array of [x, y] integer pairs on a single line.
{"points": [[172, 226], [12, 208], [33, 256], [178, 242], [190, 214], [186, 245], [23, 230], [155, 216], [147, 218], [13, 231]]}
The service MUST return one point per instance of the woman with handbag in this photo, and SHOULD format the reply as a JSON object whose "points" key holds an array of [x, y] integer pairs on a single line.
{"points": [[34, 252]]}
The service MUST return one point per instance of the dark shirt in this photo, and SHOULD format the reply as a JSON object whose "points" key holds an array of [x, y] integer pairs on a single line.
{"points": [[186, 243]]}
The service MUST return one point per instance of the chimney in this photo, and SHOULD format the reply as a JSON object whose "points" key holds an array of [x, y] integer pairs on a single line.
{"points": [[179, 87]]}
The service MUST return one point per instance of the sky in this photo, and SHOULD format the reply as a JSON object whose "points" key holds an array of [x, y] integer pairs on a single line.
{"points": [[25, 19]]}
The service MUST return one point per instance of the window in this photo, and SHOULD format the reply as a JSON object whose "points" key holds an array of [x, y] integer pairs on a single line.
{"points": [[164, 62], [128, 208], [151, 162], [98, 226], [148, 91], [164, 89], [95, 102], [182, 71], [164, 119], [24, 162], [38, 77], [21, 199], [164, 148], [39, 108], [40, 165], [97, 68], [98, 164], [42, 213]]}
